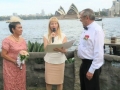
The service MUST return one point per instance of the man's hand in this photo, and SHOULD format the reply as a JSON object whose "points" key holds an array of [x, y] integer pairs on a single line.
{"points": [[89, 75]]}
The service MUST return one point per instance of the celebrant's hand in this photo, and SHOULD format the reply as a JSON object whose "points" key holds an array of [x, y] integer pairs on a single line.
{"points": [[62, 50], [53, 34], [89, 75]]}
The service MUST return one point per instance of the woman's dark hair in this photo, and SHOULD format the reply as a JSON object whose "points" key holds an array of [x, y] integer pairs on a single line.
{"points": [[13, 25]]}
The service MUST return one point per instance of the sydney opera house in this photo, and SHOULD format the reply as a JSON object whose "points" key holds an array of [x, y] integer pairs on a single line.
{"points": [[71, 14]]}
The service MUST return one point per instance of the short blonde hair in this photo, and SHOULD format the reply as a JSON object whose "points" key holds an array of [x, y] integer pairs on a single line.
{"points": [[54, 19]]}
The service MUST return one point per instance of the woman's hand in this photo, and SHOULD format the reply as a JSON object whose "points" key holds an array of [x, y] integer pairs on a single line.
{"points": [[62, 50], [53, 34], [15, 62]]}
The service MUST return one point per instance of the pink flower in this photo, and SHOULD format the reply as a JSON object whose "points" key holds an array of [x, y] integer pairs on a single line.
{"points": [[23, 55], [86, 37], [22, 52]]}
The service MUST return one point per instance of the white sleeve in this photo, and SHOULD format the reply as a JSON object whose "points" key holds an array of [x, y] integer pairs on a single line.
{"points": [[46, 36], [98, 58], [63, 36]]}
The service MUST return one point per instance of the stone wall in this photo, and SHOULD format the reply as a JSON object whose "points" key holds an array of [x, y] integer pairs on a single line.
{"points": [[109, 78]]}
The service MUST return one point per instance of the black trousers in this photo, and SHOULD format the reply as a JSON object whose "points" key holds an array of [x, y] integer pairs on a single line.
{"points": [[86, 84]]}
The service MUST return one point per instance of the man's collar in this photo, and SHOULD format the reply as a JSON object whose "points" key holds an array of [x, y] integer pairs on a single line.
{"points": [[87, 27], [91, 24]]}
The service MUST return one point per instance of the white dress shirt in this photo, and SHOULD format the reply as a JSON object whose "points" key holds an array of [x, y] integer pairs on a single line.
{"points": [[92, 46]]}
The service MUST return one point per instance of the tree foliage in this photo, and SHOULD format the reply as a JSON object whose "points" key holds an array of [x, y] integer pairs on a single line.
{"points": [[28, 17]]}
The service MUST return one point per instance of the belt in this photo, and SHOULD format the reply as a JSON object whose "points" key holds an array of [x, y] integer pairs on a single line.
{"points": [[87, 60]]}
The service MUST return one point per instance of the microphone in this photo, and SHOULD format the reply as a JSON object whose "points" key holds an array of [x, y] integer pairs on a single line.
{"points": [[53, 37]]}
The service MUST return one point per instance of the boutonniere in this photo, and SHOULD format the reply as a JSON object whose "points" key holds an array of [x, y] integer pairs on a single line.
{"points": [[86, 37]]}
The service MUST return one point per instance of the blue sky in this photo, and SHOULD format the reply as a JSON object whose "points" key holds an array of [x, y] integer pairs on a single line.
{"points": [[25, 7]]}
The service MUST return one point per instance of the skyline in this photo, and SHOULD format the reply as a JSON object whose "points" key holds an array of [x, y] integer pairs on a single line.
{"points": [[25, 7]]}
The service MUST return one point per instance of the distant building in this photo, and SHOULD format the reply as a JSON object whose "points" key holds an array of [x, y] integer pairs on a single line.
{"points": [[42, 13], [104, 10], [115, 9], [37, 14], [107, 11], [71, 14], [72, 10], [60, 11]]}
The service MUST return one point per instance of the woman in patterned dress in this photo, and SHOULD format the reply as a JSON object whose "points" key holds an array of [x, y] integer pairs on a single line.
{"points": [[14, 78]]}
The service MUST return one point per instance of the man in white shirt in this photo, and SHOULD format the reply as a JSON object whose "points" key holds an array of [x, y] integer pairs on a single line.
{"points": [[91, 51]]}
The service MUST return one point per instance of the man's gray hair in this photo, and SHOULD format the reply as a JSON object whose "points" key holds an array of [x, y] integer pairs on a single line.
{"points": [[88, 12]]}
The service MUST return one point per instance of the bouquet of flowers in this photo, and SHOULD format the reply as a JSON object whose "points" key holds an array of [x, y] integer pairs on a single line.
{"points": [[22, 57]]}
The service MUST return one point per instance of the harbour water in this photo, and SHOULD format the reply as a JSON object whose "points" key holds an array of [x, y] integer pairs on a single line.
{"points": [[34, 30]]}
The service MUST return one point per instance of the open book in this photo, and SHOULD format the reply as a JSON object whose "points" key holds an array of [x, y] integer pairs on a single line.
{"points": [[66, 45]]}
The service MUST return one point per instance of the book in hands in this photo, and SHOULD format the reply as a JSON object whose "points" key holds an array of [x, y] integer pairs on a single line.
{"points": [[66, 45]]}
